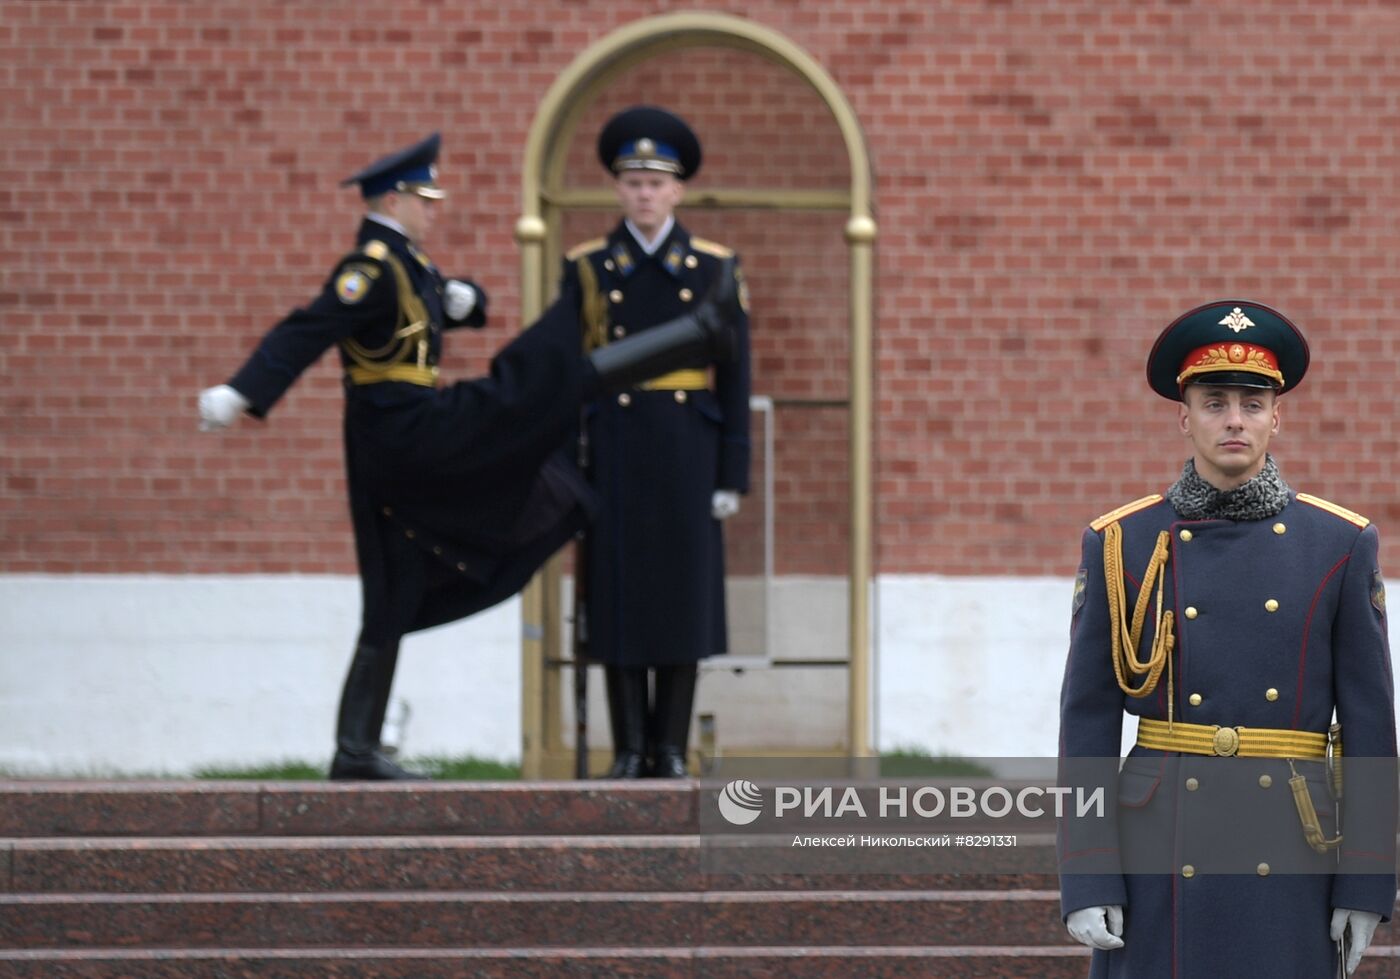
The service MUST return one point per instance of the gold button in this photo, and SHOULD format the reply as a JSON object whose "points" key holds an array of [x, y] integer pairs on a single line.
{"points": [[619, 330], [409, 534], [388, 511], [1279, 528], [1263, 870], [691, 262], [687, 295], [461, 566], [1265, 781], [1191, 612], [624, 399], [1188, 871], [615, 295], [1195, 700], [1271, 695], [1192, 785], [680, 397], [608, 264], [436, 549], [1271, 605], [1186, 535]]}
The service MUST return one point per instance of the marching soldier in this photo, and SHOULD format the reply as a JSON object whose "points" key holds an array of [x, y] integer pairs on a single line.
{"points": [[1237, 620], [668, 459], [458, 493]]}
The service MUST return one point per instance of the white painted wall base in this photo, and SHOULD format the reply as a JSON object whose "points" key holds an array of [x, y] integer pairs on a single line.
{"points": [[126, 675], [971, 666], [115, 674]]}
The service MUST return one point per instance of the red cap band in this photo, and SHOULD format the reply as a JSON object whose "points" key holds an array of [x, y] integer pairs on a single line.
{"points": [[1215, 358]]}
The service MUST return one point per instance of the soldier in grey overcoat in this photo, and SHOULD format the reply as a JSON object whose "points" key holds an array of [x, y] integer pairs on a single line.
{"points": [[1242, 624]]}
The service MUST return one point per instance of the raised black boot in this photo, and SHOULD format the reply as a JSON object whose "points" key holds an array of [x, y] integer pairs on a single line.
{"points": [[675, 696], [627, 711], [696, 339], [361, 718]]}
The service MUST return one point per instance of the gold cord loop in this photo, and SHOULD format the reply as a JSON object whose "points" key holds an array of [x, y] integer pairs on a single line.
{"points": [[409, 345], [1126, 637], [594, 311], [1307, 814]]}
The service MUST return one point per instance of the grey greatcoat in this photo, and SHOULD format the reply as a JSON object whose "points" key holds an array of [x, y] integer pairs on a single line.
{"points": [[1279, 623]]}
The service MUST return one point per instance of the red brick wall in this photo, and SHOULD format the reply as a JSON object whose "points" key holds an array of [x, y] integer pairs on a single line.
{"points": [[1053, 183]]}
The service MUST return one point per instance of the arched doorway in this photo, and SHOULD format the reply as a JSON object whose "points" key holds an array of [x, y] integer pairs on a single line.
{"points": [[546, 198]]}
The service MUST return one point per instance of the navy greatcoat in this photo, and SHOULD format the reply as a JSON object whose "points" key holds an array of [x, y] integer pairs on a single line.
{"points": [[1279, 623], [656, 555], [457, 493]]}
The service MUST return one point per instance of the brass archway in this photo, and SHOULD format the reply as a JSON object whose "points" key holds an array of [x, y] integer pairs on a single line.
{"points": [[543, 194]]}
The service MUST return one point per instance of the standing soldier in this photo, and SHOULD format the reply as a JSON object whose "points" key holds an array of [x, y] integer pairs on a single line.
{"points": [[669, 459], [1235, 619], [458, 493]]}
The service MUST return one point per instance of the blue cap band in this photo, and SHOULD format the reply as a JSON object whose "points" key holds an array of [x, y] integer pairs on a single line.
{"points": [[647, 154], [382, 183]]}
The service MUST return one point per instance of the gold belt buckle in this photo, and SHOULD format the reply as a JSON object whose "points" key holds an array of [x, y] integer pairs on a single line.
{"points": [[1226, 741]]}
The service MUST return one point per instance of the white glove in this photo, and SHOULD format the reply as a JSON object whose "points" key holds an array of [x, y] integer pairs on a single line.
{"points": [[1100, 927], [724, 504], [1363, 927], [458, 299], [219, 407]]}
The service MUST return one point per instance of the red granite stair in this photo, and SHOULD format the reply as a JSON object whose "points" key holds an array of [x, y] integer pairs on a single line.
{"points": [[511, 879]]}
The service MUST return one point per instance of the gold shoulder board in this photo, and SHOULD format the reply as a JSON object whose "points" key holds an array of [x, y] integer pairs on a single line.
{"points": [[1337, 511], [376, 250], [578, 251], [1125, 510], [707, 247]]}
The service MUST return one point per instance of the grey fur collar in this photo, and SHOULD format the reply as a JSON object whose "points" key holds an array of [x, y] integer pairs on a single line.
{"points": [[1260, 498]]}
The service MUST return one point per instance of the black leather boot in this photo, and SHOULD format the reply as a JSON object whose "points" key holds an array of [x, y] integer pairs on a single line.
{"points": [[653, 726], [675, 696], [694, 340], [362, 706], [627, 711]]}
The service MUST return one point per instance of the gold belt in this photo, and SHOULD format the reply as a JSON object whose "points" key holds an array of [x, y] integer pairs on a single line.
{"points": [[1246, 742], [692, 379], [412, 373]]}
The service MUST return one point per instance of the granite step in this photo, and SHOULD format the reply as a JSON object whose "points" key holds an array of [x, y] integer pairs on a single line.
{"points": [[810, 962], [619, 879], [816, 962], [496, 920], [503, 863], [31, 809], [164, 809]]}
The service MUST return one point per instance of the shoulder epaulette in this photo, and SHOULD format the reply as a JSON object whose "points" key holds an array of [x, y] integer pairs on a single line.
{"points": [[1337, 511], [1125, 510], [376, 250], [588, 247], [707, 247]]}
